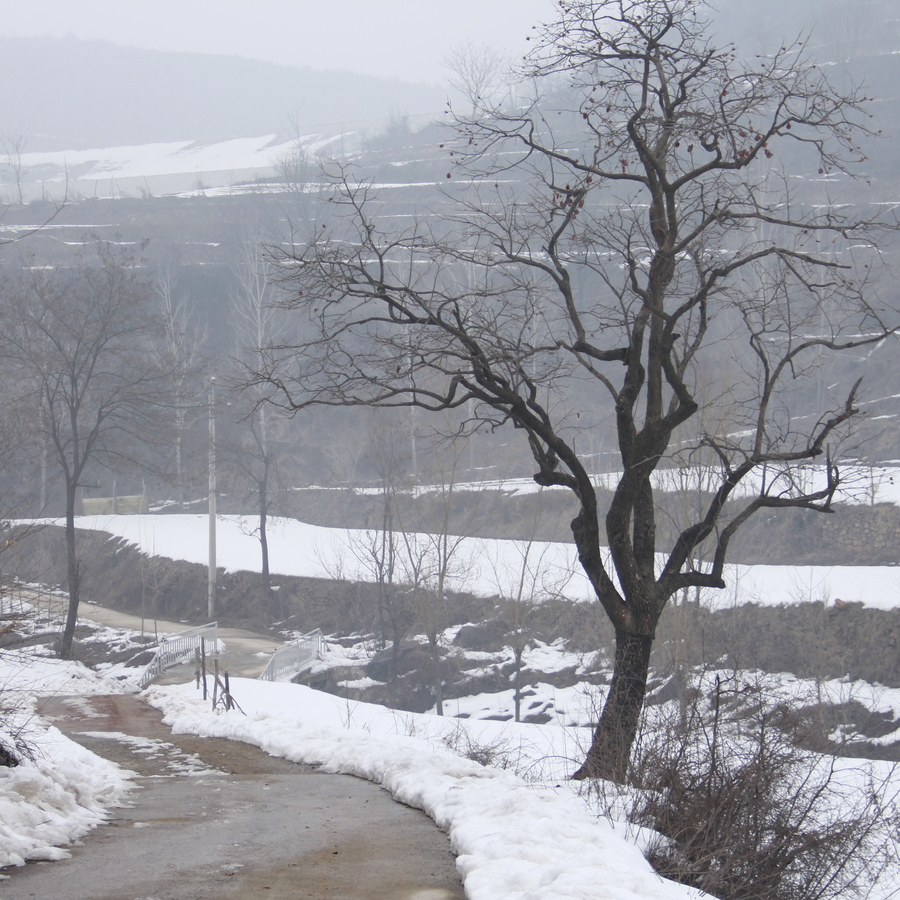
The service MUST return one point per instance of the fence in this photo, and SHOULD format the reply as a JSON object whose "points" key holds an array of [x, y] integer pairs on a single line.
{"points": [[294, 657], [128, 504], [18, 597], [180, 648]]}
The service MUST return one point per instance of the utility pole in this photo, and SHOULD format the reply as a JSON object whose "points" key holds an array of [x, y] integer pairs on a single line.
{"points": [[211, 604]]}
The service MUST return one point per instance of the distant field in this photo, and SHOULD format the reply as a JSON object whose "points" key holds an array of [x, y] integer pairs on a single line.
{"points": [[480, 565]]}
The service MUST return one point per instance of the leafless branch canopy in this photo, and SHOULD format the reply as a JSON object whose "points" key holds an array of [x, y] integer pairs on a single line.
{"points": [[650, 248]]}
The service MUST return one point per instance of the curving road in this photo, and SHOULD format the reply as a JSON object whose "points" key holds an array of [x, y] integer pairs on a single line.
{"points": [[220, 819]]}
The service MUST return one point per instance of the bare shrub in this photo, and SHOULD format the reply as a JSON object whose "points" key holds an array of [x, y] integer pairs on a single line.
{"points": [[14, 743], [14, 721], [498, 752], [743, 813]]}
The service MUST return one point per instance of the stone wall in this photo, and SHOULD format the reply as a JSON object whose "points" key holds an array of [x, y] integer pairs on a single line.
{"points": [[851, 535], [867, 533]]}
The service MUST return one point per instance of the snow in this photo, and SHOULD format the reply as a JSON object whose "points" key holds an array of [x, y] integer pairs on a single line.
{"points": [[861, 483], [54, 800], [514, 838], [531, 835], [170, 158], [520, 828], [480, 565], [64, 791], [567, 707]]}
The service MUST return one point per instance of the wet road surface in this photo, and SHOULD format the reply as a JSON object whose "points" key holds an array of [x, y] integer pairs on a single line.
{"points": [[220, 819]]}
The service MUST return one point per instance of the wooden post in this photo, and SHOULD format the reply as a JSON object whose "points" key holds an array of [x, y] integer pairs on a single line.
{"points": [[203, 663]]}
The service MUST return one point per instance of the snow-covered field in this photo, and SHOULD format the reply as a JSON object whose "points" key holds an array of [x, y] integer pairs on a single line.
{"points": [[165, 167], [522, 830], [480, 565], [181, 167], [860, 482]]}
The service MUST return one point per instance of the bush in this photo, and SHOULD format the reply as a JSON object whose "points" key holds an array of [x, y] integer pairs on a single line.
{"points": [[741, 812]]}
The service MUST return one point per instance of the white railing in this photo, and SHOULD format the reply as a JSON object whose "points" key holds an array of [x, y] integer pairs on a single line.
{"points": [[175, 649], [294, 657]]}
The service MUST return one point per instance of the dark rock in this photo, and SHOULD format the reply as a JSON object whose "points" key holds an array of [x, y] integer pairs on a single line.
{"points": [[488, 635]]}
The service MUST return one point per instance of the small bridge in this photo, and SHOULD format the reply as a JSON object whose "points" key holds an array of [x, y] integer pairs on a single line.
{"points": [[180, 648], [295, 657]]}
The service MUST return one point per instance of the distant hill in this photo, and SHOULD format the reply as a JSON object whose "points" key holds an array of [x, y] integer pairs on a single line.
{"points": [[70, 94]]}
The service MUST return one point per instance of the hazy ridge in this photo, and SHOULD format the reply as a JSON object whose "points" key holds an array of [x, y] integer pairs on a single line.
{"points": [[71, 94]]}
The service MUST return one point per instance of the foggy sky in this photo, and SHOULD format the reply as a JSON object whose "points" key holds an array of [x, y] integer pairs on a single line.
{"points": [[405, 39]]}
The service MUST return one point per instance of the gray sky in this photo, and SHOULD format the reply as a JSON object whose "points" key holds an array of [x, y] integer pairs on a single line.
{"points": [[405, 39]]}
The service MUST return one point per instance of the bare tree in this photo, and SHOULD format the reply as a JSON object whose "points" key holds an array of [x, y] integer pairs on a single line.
{"points": [[849, 28], [636, 230], [379, 547], [12, 150], [180, 354], [523, 581], [14, 144], [76, 340], [256, 325], [299, 172], [433, 560], [479, 72]]}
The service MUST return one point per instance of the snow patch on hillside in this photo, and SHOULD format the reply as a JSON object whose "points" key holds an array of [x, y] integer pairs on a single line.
{"points": [[481, 566]]}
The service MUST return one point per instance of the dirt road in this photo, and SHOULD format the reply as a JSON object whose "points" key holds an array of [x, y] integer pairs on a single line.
{"points": [[213, 818]]}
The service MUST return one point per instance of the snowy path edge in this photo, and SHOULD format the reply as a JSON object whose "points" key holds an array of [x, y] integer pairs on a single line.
{"points": [[513, 839]]}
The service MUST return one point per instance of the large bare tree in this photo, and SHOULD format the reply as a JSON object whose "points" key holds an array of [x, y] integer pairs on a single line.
{"points": [[75, 342], [656, 252]]}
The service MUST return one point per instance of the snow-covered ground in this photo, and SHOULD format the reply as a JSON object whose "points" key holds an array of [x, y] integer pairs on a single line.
{"points": [[180, 167], [166, 167], [480, 565], [63, 791], [519, 827], [860, 482], [514, 837], [170, 158], [521, 830]]}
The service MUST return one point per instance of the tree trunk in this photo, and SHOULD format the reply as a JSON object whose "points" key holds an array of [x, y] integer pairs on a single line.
{"points": [[263, 535], [395, 657], [517, 690], [73, 576], [264, 506], [438, 682], [615, 733], [179, 474]]}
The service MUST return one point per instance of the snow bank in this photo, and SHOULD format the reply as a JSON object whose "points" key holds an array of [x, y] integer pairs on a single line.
{"points": [[513, 839], [54, 799], [64, 791]]}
